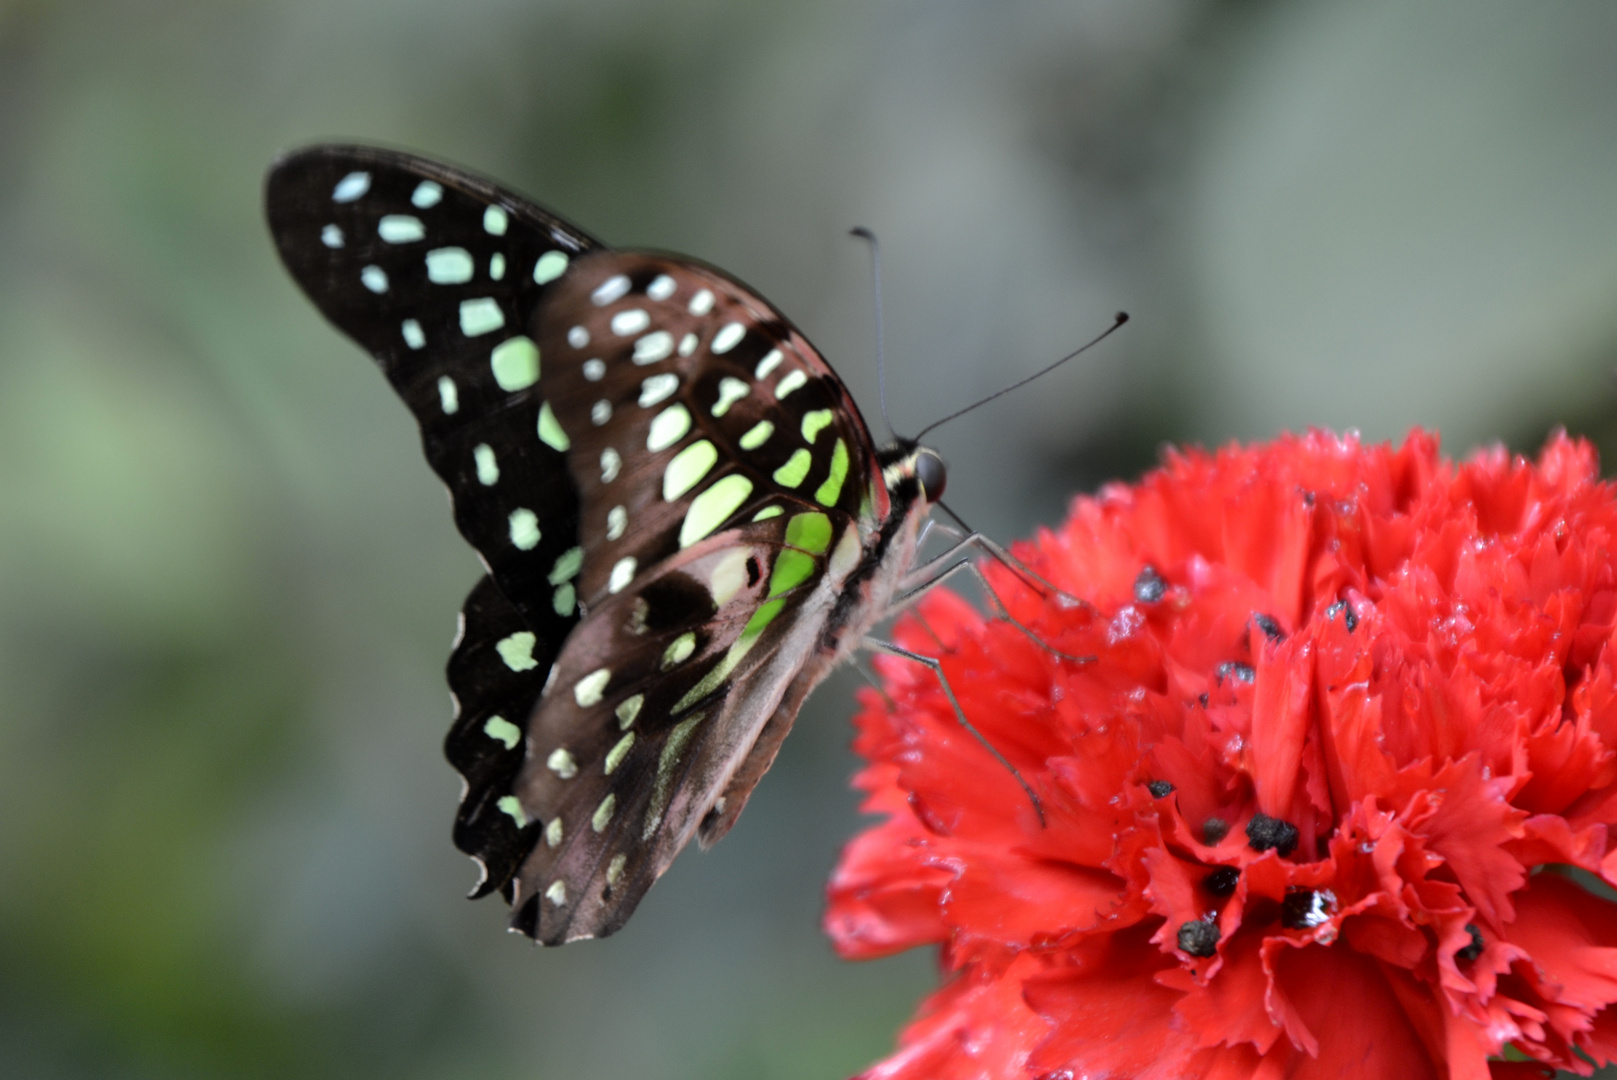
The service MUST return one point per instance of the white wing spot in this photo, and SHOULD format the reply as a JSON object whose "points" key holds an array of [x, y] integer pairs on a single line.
{"points": [[614, 870], [331, 236], [480, 316], [794, 380], [757, 435], [600, 412], [611, 462], [686, 468], [557, 893], [578, 337], [551, 265], [553, 833], [731, 390], [495, 220], [622, 574], [769, 363], [561, 763], [701, 303], [613, 288], [374, 278], [524, 529], [448, 395], [668, 427], [413, 336], [588, 690], [488, 466], [657, 389], [400, 229], [661, 288], [687, 344], [728, 337], [630, 321], [427, 194], [655, 346], [617, 520], [594, 370], [449, 266], [351, 187], [496, 266]]}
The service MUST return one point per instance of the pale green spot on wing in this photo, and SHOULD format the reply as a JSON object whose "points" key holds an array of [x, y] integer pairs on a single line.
{"points": [[603, 813], [564, 601], [494, 221], [351, 187], [550, 266], [713, 507], [557, 893], [614, 870], [728, 337], [413, 336], [686, 469], [448, 395], [668, 427], [731, 390], [488, 467], [619, 751], [561, 763], [501, 729], [588, 690], [729, 575], [628, 710], [512, 807], [667, 761], [679, 650], [400, 229], [567, 565], [793, 380], [757, 435], [427, 194], [374, 278], [516, 363], [525, 533], [814, 423], [481, 316], [768, 512], [550, 432], [517, 650], [450, 266], [830, 491], [810, 531], [795, 470], [553, 833]]}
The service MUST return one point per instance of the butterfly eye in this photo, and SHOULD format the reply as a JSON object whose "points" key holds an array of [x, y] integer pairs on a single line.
{"points": [[930, 472]]}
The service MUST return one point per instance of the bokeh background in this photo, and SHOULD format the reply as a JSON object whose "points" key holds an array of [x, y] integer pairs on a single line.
{"points": [[228, 581]]}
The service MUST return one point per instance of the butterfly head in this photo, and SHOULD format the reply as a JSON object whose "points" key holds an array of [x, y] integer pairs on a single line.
{"points": [[908, 468]]}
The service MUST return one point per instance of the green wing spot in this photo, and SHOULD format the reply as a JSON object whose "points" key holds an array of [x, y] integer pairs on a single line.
{"points": [[502, 730], [713, 507], [517, 650], [480, 316], [761, 618], [449, 266], [494, 221], [686, 469], [615, 756], [679, 650], [525, 533], [811, 532], [796, 468], [550, 266], [515, 363], [448, 395], [488, 466], [666, 762], [814, 423], [792, 568], [567, 565], [757, 435], [550, 432], [831, 490], [628, 709], [603, 813], [768, 512], [564, 600], [512, 807]]}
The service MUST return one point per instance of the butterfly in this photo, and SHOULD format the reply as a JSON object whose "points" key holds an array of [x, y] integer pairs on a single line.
{"points": [[683, 517]]}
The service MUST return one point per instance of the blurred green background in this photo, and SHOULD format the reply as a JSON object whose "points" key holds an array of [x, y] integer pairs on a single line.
{"points": [[228, 581]]}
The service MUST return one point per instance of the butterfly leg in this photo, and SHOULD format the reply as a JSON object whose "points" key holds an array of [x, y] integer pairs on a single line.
{"points": [[936, 667], [999, 554], [927, 577]]}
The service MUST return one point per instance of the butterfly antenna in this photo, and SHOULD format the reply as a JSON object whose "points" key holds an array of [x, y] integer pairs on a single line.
{"points": [[1122, 317], [875, 276]]}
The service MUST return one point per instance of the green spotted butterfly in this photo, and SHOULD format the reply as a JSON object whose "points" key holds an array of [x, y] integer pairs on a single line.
{"points": [[685, 521]]}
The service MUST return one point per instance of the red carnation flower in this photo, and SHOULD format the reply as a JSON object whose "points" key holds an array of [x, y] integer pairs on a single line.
{"points": [[1331, 799]]}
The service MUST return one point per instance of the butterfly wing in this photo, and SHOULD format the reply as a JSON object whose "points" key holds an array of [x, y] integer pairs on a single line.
{"points": [[667, 483]]}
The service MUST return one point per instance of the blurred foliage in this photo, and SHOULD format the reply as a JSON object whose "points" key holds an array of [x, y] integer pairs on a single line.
{"points": [[227, 581]]}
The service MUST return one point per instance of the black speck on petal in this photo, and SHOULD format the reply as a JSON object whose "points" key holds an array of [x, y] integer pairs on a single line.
{"points": [[1149, 586], [1266, 623], [1236, 671], [1264, 832], [1221, 882], [1199, 937], [1160, 789], [1473, 950], [1214, 829]]}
